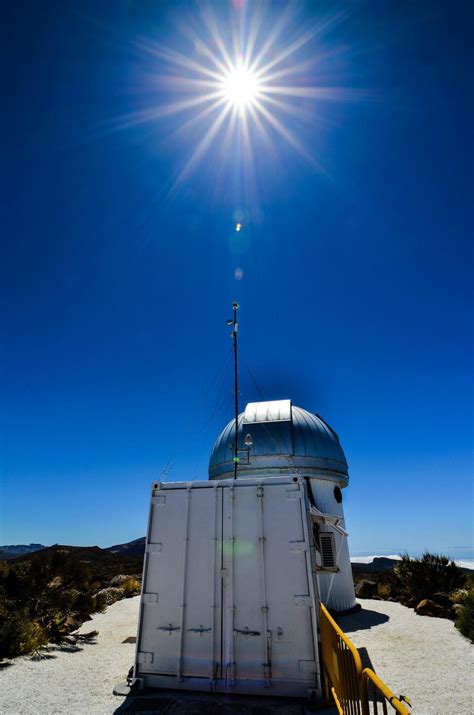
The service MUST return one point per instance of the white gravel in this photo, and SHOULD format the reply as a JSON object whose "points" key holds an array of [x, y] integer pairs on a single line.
{"points": [[66, 683], [424, 658]]}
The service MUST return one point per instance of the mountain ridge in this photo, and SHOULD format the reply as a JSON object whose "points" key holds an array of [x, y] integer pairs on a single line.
{"points": [[12, 551]]}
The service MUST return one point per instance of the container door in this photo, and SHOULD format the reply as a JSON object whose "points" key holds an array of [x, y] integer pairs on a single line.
{"points": [[268, 597], [180, 629]]}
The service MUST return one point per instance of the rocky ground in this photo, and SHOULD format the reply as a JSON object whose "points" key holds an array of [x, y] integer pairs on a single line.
{"points": [[425, 658]]}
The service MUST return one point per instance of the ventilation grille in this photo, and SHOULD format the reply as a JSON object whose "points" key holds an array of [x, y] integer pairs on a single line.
{"points": [[328, 553]]}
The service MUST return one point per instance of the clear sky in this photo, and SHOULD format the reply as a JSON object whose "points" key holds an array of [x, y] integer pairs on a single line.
{"points": [[353, 267]]}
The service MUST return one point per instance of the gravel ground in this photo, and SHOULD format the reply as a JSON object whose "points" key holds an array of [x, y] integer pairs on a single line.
{"points": [[66, 682], [422, 657]]}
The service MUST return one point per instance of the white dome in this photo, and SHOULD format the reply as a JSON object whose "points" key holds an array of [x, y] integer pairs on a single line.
{"points": [[284, 437]]}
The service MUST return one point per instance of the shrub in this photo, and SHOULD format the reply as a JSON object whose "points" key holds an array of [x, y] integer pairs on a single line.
{"points": [[20, 635], [131, 587], [465, 619], [430, 574], [119, 580], [459, 596], [383, 590], [111, 595], [42, 600]]}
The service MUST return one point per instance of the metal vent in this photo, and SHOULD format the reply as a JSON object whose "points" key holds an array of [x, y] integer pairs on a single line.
{"points": [[328, 552]]}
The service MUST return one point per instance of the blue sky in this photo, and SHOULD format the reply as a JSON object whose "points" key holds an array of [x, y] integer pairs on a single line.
{"points": [[356, 288]]}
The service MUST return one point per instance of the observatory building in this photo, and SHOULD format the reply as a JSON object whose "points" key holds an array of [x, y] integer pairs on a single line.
{"points": [[279, 439], [236, 566]]}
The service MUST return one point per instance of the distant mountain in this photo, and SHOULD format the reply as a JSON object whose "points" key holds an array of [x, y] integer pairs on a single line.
{"points": [[11, 551], [132, 549], [135, 548], [378, 564], [102, 563]]}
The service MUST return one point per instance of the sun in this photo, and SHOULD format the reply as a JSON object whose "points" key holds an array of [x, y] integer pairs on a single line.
{"points": [[242, 84], [240, 87]]}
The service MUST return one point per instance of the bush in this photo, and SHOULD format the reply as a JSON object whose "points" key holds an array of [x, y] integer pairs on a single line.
{"points": [[465, 619], [119, 580], [131, 587], [417, 579], [42, 600], [20, 635], [459, 596], [111, 595], [383, 590]]}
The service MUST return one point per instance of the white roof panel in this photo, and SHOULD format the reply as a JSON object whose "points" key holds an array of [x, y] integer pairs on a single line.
{"points": [[274, 411]]}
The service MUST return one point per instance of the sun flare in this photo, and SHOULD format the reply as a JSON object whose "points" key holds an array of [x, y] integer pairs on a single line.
{"points": [[240, 87]]}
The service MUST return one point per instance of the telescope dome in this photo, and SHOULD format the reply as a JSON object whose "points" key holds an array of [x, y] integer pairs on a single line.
{"points": [[278, 438]]}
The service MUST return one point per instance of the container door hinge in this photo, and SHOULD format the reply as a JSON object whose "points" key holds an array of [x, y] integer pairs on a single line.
{"points": [[144, 658], [308, 666], [302, 600], [154, 548], [169, 628], [200, 630], [245, 632], [150, 598]]}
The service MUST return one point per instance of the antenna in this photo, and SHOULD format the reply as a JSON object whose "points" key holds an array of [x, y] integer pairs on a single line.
{"points": [[235, 325]]}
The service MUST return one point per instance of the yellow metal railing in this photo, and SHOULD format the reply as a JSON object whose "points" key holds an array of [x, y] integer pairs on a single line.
{"points": [[342, 666], [354, 690], [376, 694]]}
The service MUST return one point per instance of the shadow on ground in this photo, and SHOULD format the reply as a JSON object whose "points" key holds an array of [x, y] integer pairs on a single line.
{"points": [[365, 658], [361, 620], [181, 703], [48, 651]]}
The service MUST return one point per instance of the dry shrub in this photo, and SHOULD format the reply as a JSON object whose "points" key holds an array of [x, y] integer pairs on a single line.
{"points": [[41, 600], [20, 635], [111, 595], [131, 586], [432, 573], [465, 619], [459, 596], [120, 579]]}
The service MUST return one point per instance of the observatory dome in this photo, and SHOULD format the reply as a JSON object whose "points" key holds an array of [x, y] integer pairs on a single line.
{"points": [[284, 438]]}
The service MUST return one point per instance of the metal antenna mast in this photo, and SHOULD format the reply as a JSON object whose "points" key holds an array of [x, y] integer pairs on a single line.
{"points": [[235, 325]]}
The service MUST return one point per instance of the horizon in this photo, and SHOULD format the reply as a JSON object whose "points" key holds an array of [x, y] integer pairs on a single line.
{"points": [[340, 228], [463, 556]]}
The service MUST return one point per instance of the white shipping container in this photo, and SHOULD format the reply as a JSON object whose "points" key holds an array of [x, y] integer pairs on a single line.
{"points": [[229, 599]]}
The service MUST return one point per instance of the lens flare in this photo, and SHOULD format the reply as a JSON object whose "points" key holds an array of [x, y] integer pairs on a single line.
{"points": [[240, 87]]}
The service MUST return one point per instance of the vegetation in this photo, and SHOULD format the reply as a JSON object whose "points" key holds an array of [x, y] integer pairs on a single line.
{"points": [[383, 591], [41, 600], [131, 587], [46, 595], [421, 578], [465, 618], [433, 585], [464, 600]]}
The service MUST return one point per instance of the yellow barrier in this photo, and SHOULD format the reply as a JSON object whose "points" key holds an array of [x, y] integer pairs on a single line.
{"points": [[375, 692], [342, 666], [354, 690]]}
